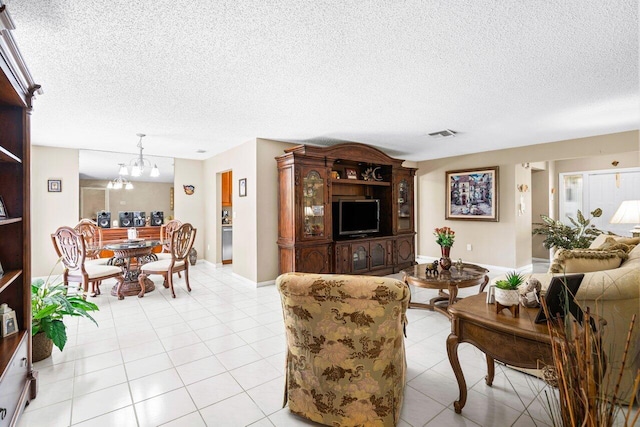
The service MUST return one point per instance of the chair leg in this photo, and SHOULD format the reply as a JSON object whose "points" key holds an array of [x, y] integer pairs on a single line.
{"points": [[170, 280], [142, 277], [186, 278], [119, 290], [85, 286]]}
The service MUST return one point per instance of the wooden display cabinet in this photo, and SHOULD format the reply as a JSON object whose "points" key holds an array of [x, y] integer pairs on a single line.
{"points": [[17, 89], [311, 179]]}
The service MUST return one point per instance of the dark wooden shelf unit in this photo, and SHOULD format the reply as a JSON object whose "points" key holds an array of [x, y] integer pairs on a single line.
{"points": [[307, 189], [17, 89]]}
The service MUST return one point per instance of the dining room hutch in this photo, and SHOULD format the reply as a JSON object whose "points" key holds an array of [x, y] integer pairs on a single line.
{"points": [[17, 90], [313, 180]]}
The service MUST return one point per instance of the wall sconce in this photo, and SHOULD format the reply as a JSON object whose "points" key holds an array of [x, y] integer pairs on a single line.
{"points": [[522, 188]]}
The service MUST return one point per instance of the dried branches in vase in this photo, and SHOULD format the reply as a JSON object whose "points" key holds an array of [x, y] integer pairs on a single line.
{"points": [[580, 375]]}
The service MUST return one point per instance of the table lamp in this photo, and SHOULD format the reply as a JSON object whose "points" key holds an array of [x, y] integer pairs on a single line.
{"points": [[628, 213]]}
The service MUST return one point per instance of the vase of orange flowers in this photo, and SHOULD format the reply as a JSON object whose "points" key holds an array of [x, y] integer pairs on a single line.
{"points": [[445, 237]]}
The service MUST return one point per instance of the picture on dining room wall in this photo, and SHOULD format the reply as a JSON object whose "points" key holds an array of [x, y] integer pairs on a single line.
{"points": [[472, 194], [242, 190], [54, 185]]}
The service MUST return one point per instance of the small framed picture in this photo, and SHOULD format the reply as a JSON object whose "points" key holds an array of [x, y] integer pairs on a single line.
{"points": [[9, 324], [242, 190], [54, 185], [351, 173], [3, 209]]}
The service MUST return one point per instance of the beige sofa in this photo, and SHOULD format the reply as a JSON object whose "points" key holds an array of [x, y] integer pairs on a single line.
{"points": [[613, 294]]}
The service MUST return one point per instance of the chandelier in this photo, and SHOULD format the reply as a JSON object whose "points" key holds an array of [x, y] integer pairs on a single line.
{"points": [[139, 164], [120, 182]]}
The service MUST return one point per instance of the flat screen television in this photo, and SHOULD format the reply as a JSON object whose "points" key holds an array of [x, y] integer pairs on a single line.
{"points": [[357, 216]]}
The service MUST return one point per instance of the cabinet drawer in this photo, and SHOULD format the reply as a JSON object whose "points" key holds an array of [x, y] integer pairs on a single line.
{"points": [[13, 383]]}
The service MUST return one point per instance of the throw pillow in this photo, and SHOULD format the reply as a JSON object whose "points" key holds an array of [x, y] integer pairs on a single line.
{"points": [[611, 244], [586, 260]]}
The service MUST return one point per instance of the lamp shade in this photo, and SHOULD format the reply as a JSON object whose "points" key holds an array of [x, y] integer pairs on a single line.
{"points": [[627, 213]]}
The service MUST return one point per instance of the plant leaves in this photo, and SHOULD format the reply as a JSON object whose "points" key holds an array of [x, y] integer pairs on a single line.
{"points": [[58, 333]]}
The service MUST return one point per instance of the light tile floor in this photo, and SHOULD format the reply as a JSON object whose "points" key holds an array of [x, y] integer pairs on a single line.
{"points": [[215, 357]]}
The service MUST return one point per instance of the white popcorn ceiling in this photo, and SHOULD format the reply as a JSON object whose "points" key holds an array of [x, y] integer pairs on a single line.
{"points": [[209, 75]]}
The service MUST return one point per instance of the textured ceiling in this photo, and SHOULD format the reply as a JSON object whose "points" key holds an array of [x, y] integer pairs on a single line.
{"points": [[208, 75]]}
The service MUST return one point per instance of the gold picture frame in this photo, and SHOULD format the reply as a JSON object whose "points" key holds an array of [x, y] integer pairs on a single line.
{"points": [[472, 194]]}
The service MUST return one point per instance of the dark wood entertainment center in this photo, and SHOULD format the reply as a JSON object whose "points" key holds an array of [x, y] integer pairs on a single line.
{"points": [[311, 179]]}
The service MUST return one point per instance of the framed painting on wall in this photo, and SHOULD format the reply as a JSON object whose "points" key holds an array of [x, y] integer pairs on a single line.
{"points": [[242, 187], [472, 194], [54, 185]]}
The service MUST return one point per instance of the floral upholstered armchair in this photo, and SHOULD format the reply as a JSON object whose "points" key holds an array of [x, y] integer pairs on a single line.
{"points": [[346, 362]]}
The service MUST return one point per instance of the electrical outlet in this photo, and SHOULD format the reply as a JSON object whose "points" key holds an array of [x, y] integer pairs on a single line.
{"points": [[469, 248]]}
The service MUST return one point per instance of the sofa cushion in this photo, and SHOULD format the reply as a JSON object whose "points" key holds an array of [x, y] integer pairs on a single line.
{"points": [[586, 260]]}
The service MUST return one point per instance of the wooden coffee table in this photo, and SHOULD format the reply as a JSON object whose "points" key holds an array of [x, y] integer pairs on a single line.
{"points": [[451, 280], [516, 341]]}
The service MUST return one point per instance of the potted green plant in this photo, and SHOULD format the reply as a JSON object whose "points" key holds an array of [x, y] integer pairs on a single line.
{"points": [[50, 303], [506, 290], [559, 235]]}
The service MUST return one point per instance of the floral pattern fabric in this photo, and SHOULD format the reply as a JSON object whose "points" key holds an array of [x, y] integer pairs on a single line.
{"points": [[346, 362]]}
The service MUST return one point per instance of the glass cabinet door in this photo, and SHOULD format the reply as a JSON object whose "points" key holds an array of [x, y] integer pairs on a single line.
{"points": [[378, 254], [360, 258], [404, 206], [313, 189]]}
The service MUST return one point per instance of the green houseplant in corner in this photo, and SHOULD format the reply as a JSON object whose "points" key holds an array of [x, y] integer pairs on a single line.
{"points": [[506, 291], [561, 236], [50, 303]]}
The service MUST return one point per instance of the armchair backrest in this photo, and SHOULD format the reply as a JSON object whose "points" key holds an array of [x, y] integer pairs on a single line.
{"points": [[182, 241], [70, 247], [166, 230], [345, 340]]}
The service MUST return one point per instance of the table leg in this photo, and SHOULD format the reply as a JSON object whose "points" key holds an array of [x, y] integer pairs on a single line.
{"points": [[491, 369], [452, 351], [453, 293]]}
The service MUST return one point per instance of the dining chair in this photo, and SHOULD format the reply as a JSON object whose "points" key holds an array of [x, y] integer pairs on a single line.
{"points": [[92, 235], [71, 248], [180, 244], [166, 230]]}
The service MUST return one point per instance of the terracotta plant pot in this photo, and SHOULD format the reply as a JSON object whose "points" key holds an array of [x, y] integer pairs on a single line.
{"points": [[42, 347], [507, 297]]}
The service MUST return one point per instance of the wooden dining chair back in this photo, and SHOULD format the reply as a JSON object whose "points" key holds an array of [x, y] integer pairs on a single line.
{"points": [[181, 243], [71, 248], [166, 230], [92, 235]]}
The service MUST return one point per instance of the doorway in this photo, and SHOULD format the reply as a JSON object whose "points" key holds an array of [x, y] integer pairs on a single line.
{"points": [[226, 222]]}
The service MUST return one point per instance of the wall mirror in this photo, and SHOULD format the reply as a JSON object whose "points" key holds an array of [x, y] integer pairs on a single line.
{"points": [[98, 168]]}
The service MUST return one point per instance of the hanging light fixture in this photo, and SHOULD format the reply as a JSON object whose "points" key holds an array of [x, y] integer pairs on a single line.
{"points": [[139, 164], [120, 182]]}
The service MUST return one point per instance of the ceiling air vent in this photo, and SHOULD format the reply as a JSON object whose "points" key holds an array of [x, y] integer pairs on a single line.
{"points": [[443, 134]]}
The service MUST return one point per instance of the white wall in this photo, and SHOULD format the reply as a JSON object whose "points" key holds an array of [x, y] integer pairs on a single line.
{"points": [[51, 210], [507, 242], [255, 217], [190, 208]]}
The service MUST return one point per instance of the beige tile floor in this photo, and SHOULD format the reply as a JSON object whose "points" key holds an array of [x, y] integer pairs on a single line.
{"points": [[215, 357]]}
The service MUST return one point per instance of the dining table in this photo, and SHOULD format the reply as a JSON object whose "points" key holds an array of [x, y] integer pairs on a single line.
{"points": [[130, 255]]}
